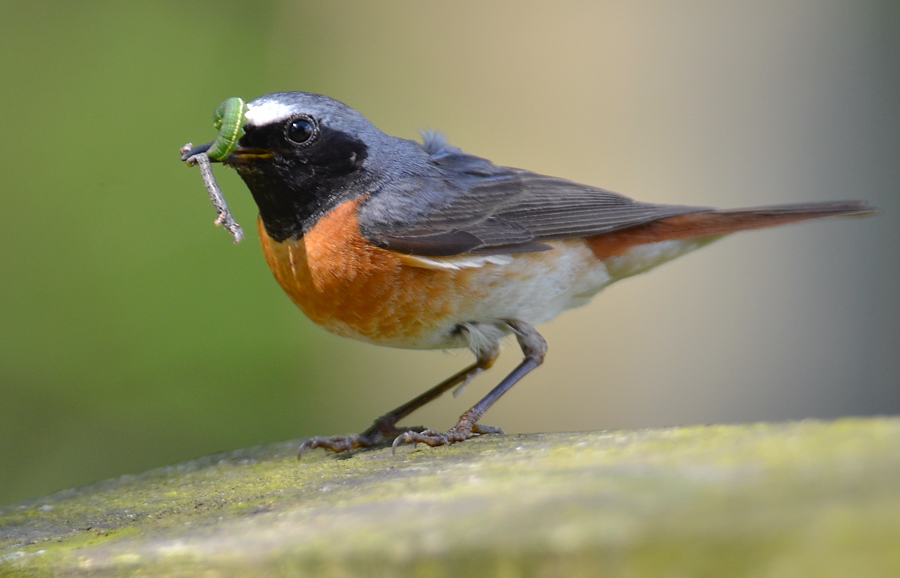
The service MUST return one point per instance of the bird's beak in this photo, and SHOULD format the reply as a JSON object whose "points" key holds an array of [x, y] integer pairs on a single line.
{"points": [[239, 156], [247, 155]]}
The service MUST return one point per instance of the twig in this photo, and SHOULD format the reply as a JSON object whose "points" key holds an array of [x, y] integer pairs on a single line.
{"points": [[223, 213]]}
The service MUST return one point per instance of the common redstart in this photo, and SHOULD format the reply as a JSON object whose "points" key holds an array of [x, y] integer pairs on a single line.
{"points": [[422, 246]]}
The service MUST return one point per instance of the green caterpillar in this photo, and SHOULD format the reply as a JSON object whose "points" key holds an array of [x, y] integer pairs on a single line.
{"points": [[229, 121]]}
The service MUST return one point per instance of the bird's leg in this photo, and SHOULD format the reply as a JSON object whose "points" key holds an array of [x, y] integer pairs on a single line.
{"points": [[534, 348], [385, 427]]}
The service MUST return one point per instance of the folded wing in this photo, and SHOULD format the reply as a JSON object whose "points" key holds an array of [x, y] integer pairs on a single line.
{"points": [[468, 205]]}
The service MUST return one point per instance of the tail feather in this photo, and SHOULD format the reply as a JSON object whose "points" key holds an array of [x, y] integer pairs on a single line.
{"points": [[718, 223]]}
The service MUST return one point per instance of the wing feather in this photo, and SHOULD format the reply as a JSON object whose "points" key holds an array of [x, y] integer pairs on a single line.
{"points": [[469, 205]]}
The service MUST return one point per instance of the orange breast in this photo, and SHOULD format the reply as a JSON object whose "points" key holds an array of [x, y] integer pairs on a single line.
{"points": [[355, 289]]}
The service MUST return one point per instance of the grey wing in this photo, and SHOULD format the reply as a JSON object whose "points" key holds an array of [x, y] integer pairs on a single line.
{"points": [[469, 205]]}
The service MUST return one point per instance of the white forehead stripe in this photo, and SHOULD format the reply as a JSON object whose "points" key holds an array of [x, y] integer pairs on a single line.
{"points": [[267, 112]]}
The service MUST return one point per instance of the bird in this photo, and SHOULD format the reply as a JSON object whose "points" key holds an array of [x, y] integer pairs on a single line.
{"points": [[419, 245]]}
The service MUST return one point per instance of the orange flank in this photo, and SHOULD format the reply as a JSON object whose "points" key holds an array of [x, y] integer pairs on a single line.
{"points": [[353, 288]]}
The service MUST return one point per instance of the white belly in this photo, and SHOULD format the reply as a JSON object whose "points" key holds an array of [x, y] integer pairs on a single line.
{"points": [[536, 287]]}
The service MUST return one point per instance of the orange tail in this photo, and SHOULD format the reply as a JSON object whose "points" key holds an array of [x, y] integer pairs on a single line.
{"points": [[717, 223]]}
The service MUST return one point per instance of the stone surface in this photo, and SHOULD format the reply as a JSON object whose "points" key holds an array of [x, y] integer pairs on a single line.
{"points": [[795, 499]]}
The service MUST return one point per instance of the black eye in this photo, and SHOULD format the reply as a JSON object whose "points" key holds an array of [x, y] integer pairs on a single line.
{"points": [[300, 131]]}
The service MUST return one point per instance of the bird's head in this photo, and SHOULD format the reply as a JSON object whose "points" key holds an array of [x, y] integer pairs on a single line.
{"points": [[303, 154]]}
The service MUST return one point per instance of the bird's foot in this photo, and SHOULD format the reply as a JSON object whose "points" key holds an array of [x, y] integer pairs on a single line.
{"points": [[338, 444], [460, 432], [384, 429]]}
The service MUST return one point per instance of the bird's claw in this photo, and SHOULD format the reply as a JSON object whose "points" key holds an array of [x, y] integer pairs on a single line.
{"points": [[339, 444], [461, 432], [382, 430]]}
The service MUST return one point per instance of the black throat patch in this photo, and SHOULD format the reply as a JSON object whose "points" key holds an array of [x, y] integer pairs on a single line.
{"points": [[301, 184]]}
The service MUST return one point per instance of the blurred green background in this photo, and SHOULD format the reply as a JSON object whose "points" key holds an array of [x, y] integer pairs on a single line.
{"points": [[134, 334]]}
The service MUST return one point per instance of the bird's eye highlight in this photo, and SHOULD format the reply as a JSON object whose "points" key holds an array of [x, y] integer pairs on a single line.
{"points": [[300, 131]]}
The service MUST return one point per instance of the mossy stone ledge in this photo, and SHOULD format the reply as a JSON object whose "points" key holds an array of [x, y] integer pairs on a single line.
{"points": [[793, 499]]}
